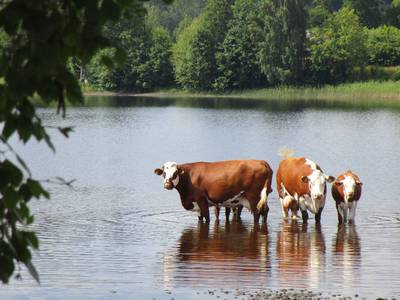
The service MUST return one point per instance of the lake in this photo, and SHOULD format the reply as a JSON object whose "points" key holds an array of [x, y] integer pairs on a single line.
{"points": [[118, 234]]}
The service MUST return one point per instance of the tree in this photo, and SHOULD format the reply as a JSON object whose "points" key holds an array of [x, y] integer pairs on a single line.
{"points": [[238, 65], [384, 46], [147, 65], [318, 15], [41, 37], [369, 11], [169, 16], [283, 48], [194, 53], [337, 47]]}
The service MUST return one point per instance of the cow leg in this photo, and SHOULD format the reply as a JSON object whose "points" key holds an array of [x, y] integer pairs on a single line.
{"points": [[339, 213], [237, 212], [318, 215], [285, 209], [216, 212], [304, 215], [294, 209], [204, 211], [352, 211], [265, 213], [227, 213], [256, 216]]}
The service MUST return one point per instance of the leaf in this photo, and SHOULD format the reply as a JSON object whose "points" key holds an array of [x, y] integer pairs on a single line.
{"points": [[32, 270], [9, 173], [66, 130], [36, 189]]}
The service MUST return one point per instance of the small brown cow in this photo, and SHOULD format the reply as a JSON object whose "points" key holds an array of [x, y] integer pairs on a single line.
{"points": [[222, 184], [301, 184], [346, 190]]}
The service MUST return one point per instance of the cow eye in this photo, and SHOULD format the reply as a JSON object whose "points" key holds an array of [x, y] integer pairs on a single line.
{"points": [[163, 174], [175, 174]]}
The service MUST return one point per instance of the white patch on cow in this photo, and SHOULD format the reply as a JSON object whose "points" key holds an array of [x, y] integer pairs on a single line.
{"points": [[170, 168], [343, 211], [349, 187], [239, 199], [352, 211], [317, 185], [284, 211]]}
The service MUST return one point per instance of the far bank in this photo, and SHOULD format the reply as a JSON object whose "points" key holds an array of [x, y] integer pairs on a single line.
{"points": [[359, 91]]}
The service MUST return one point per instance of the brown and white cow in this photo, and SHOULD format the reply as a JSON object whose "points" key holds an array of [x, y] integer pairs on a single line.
{"points": [[222, 184], [301, 183], [346, 190]]}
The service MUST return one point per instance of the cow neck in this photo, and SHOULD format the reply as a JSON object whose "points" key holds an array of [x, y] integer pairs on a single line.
{"points": [[182, 186]]}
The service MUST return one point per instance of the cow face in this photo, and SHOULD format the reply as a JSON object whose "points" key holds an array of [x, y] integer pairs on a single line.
{"points": [[317, 184], [349, 187], [171, 172]]}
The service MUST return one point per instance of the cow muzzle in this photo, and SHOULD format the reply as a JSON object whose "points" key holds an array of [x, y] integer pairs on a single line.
{"points": [[168, 185]]}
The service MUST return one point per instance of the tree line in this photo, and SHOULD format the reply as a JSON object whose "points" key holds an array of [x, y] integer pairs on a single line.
{"points": [[223, 45]]}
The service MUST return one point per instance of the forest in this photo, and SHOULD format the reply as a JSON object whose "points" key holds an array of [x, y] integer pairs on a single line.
{"points": [[226, 45]]}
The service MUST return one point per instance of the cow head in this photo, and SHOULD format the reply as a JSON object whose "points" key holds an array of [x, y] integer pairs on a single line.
{"points": [[317, 184], [171, 172], [349, 184]]}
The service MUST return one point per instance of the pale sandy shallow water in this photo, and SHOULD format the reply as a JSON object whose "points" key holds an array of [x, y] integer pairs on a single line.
{"points": [[119, 235]]}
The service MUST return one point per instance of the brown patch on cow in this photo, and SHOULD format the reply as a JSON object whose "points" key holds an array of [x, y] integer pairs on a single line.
{"points": [[292, 173], [158, 171], [220, 181], [338, 188]]}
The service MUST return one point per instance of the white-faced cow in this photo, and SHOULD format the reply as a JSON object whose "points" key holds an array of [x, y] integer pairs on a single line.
{"points": [[221, 184], [301, 184], [346, 190]]}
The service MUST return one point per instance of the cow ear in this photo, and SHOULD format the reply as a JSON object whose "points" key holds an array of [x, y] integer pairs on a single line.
{"points": [[330, 179], [304, 179], [359, 182], [158, 171], [181, 172]]}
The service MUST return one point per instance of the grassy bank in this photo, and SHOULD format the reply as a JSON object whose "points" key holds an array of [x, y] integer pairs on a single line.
{"points": [[371, 90]]}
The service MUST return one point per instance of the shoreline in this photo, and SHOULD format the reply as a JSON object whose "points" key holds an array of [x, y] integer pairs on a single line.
{"points": [[371, 90]]}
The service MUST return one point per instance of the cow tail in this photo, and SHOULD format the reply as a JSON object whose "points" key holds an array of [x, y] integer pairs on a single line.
{"points": [[263, 203], [263, 200]]}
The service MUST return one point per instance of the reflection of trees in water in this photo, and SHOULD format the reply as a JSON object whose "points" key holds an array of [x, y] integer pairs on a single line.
{"points": [[300, 255], [347, 255], [220, 255]]}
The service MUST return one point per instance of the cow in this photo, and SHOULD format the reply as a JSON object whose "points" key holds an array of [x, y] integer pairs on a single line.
{"points": [[301, 183], [346, 190], [221, 184]]}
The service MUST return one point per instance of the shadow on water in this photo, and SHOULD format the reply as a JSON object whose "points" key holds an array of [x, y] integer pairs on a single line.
{"points": [[301, 254], [208, 254], [238, 103], [346, 259]]}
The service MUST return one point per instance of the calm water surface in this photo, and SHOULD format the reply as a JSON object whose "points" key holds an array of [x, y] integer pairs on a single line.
{"points": [[119, 235]]}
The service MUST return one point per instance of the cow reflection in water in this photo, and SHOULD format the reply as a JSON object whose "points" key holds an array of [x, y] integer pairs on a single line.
{"points": [[300, 253], [220, 255], [347, 255]]}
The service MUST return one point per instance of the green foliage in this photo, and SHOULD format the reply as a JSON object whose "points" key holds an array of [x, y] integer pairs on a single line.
{"points": [[170, 16], [147, 65], [237, 61], [337, 47], [194, 53], [376, 73], [283, 47], [384, 46], [318, 15], [370, 11], [37, 41]]}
